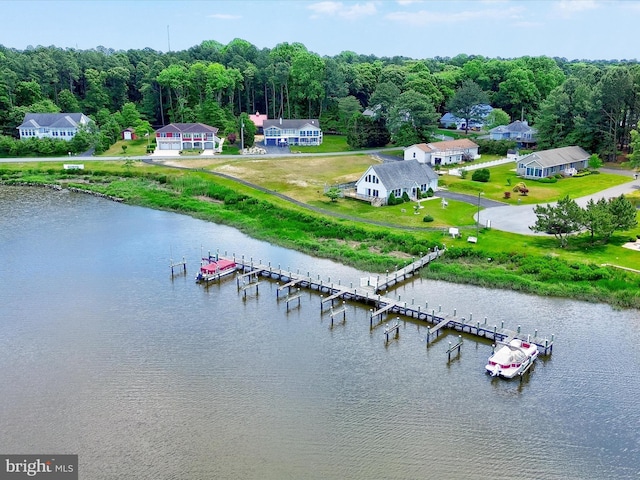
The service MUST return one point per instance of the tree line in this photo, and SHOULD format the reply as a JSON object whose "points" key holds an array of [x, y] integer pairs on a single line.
{"points": [[593, 104]]}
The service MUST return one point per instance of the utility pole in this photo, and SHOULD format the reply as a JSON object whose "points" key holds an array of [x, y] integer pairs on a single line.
{"points": [[241, 137]]}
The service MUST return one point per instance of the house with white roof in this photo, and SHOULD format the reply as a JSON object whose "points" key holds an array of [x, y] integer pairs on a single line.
{"points": [[61, 126], [564, 160], [281, 132], [379, 181], [443, 153]]}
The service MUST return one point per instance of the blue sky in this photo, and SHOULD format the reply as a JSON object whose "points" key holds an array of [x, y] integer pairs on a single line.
{"points": [[574, 29]]}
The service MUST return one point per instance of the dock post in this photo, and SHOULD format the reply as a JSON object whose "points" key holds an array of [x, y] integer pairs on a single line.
{"points": [[277, 290], [433, 315], [502, 324], [439, 308], [413, 301], [428, 335], [535, 333], [449, 352], [485, 320], [321, 302], [454, 312], [470, 317], [493, 348], [518, 328], [371, 318]]}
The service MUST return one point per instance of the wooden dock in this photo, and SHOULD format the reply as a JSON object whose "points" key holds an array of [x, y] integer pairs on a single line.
{"points": [[368, 295]]}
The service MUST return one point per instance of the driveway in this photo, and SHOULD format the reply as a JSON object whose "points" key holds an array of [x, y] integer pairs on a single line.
{"points": [[518, 218]]}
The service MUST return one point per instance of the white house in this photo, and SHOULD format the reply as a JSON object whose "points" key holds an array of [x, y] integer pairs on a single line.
{"points": [[442, 153], [281, 132], [565, 161], [61, 126], [187, 136], [408, 177]]}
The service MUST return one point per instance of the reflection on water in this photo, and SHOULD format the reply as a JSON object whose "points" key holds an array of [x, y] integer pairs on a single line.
{"points": [[144, 376]]}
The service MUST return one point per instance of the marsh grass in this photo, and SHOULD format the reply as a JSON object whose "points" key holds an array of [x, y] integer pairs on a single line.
{"points": [[525, 263]]}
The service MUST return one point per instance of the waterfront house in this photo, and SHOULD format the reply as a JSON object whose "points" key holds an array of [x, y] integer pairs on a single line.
{"points": [[443, 153], [61, 126], [408, 176], [565, 161], [187, 136], [282, 133]]}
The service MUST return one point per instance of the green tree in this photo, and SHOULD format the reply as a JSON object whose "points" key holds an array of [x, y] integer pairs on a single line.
{"points": [[347, 108], [595, 162], [561, 220], [623, 213], [597, 219], [412, 110], [366, 132], [333, 193], [68, 102], [497, 117], [465, 101]]}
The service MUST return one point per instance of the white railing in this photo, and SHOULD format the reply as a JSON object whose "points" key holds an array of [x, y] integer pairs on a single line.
{"points": [[477, 166]]}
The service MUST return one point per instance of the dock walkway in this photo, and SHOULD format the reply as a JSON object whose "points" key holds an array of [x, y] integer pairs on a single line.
{"points": [[369, 295]]}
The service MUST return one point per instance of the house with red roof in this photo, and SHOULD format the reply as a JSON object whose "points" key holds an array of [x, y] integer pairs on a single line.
{"points": [[443, 153], [187, 136], [258, 120]]}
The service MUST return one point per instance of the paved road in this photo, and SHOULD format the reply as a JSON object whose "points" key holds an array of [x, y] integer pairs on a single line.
{"points": [[518, 218]]}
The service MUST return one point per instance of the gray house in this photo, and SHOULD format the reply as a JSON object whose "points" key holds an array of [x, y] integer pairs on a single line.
{"points": [[565, 160], [518, 131], [406, 176], [61, 126], [292, 132]]}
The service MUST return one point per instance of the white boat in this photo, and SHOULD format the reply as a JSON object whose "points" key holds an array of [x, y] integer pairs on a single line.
{"points": [[513, 358]]}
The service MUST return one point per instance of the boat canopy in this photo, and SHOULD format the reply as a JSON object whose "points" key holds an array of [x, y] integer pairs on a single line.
{"points": [[217, 266]]}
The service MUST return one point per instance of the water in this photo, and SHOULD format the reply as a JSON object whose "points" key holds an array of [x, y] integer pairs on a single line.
{"points": [[145, 377]]}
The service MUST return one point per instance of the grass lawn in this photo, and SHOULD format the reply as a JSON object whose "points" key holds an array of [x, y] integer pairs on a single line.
{"points": [[503, 179], [133, 148]]}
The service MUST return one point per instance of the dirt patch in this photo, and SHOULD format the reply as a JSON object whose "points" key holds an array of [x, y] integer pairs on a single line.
{"points": [[204, 198]]}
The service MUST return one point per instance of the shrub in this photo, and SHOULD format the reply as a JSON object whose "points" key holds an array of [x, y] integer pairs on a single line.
{"points": [[481, 175], [463, 174], [507, 195], [547, 180], [405, 197], [430, 192], [427, 218]]}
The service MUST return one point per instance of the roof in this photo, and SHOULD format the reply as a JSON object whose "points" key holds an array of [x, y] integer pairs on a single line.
{"points": [[290, 123], [258, 118], [187, 128], [404, 173], [462, 143], [556, 156], [214, 267], [514, 127], [54, 120]]}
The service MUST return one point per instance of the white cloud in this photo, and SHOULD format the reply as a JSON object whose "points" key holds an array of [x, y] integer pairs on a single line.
{"points": [[569, 7], [224, 16], [424, 17], [339, 9]]}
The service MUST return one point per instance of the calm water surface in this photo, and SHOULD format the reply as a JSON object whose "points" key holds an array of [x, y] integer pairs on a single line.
{"points": [[145, 377]]}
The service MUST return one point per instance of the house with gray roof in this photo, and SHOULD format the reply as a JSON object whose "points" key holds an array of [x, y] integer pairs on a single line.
{"points": [[281, 133], [518, 131], [565, 161], [407, 176], [61, 126], [443, 153]]}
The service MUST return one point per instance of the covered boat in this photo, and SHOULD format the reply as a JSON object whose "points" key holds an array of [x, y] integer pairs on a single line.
{"points": [[513, 358], [213, 268]]}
